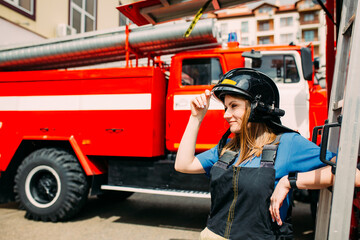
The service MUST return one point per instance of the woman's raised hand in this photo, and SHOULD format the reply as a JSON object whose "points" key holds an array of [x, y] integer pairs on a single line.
{"points": [[200, 105]]}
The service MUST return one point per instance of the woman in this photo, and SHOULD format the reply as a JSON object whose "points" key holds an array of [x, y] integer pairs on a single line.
{"points": [[245, 169]]}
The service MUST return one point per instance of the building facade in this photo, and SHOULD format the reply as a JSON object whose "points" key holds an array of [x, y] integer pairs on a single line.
{"points": [[261, 22], [302, 22], [31, 20]]}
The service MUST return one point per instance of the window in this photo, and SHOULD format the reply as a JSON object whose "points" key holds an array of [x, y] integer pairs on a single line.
{"points": [[201, 71], [274, 65], [286, 38], [224, 30], [309, 35], [244, 41], [244, 27], [265, 9], [25, 7], [309, 17], [264, 25], [286, 21], [83, 15], [291, 73], [264, 40], [308, 4]]}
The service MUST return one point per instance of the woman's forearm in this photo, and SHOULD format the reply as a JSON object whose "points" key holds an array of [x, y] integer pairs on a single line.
{"points": [[186, 161], [316, 179], [187, 145], [320, 178]]}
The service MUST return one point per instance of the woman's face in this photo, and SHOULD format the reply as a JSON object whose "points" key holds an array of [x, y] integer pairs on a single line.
{"points": [[234, 112]]}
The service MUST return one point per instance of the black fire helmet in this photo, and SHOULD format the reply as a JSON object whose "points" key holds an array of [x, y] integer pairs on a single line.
{"points": [[260, 90]]}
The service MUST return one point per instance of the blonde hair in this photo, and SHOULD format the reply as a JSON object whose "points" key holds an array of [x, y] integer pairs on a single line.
{"points": [[251, 138]]}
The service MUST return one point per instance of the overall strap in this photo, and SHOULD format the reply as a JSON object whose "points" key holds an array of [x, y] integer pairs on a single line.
{"points": [[229, 156], [269, 153], [223, 141]]}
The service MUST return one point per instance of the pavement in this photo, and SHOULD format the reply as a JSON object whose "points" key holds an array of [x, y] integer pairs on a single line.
{"points": [[142, 216]]}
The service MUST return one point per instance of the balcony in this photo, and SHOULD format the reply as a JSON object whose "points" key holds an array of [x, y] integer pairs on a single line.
{"points": [[307, 6], [309, 35], [265, 25], [261, 40], [315, 21]]}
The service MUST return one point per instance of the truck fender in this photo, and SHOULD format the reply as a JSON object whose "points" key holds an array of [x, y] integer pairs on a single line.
{"points": [[83, 159]]}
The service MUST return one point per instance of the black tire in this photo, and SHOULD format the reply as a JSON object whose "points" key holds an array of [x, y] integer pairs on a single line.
{"points": [[50, 185]]}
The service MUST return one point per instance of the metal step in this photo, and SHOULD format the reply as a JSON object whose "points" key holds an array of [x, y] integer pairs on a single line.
{"points": [[167, 192], [338, 105]]}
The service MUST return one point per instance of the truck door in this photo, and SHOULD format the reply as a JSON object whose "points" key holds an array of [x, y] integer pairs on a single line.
{"points": [[190, 76], [284, 67]]}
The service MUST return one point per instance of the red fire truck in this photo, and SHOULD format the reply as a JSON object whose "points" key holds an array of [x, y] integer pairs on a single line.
{"points": [[66, 131]]}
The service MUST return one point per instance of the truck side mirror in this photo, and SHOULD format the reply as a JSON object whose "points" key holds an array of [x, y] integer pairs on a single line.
{"points": [[306, 62]]}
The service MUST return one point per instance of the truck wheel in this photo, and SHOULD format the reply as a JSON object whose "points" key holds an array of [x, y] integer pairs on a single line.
{"points": [[50, 185]]}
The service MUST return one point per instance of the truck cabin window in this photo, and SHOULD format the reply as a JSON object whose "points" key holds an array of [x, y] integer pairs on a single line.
{"points": [[281, 68], [201, 71]]}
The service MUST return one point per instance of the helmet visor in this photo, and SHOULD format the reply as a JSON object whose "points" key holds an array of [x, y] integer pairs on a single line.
{"points": [[239, 85]]}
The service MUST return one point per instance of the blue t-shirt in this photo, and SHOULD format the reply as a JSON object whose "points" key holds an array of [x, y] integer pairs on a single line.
{"points": [[295, 154]]}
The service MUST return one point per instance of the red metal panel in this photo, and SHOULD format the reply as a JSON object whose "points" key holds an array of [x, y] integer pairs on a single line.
{"points": [[142, 130], [330, 48], [317, 104], [132, 11], [57, 82]]}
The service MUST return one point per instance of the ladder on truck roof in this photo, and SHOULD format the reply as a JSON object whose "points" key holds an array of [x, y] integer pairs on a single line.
{"points": [[334, 211]]}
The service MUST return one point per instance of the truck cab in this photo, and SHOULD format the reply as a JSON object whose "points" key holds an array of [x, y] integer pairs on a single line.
{"points": [[193, 72]]}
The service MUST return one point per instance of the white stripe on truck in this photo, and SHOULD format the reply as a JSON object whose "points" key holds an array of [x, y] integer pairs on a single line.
{"points": [[182, 102], [77, 102]]}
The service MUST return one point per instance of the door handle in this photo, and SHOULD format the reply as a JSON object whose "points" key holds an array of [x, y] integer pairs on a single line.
{"points": [[324, 143], [114, 130]]}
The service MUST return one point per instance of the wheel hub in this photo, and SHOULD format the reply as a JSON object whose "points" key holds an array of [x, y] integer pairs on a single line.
{"points": [[42, 186], [45, 188]]}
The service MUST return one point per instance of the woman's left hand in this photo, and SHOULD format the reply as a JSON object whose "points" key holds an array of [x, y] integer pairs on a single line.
{"points": [[277, 198]]}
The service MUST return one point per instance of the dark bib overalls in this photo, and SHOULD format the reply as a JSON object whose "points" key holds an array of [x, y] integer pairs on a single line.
{"points": [[240, 199]]}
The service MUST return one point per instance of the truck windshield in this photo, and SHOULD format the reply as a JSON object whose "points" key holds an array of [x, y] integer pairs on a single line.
{"points": [[201, 71], [274, 65]]}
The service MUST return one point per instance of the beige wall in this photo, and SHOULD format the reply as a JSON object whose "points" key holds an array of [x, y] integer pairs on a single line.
{"points": [[107, 15], [16, 18], [51, 13], [16, 34]]}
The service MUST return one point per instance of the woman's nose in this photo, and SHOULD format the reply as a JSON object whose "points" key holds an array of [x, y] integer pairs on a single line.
{"points": [[227, 114]]}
